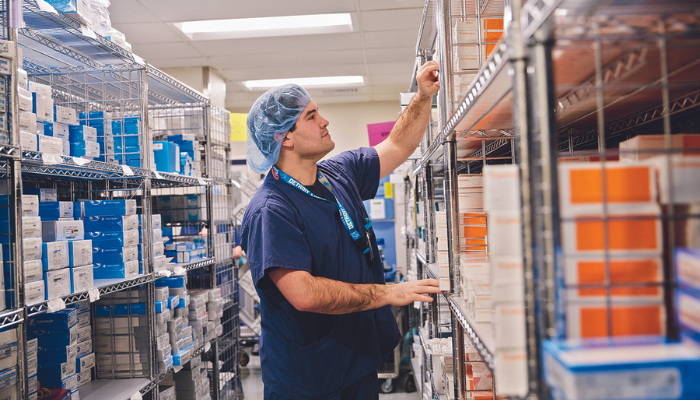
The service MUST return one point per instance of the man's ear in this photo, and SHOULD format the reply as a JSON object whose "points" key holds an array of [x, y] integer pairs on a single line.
{"points": [[286, 141]]}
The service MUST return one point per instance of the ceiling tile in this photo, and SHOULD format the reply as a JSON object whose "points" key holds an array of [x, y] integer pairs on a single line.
{"points": [[389, 20], [151, 32], [180, 62], [277, 45], [401, 54], [188, 10], [390, 68], [298, 59], [388, 79], [368, 5], [385, 39], [158, 51], [130, 11]]}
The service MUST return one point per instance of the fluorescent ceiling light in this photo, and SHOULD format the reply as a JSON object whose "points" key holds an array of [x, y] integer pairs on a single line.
{"points": [[308, 83], [266, 26]]}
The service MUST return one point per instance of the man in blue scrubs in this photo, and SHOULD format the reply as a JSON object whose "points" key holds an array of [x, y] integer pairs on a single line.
{"points": [[326, 317]]}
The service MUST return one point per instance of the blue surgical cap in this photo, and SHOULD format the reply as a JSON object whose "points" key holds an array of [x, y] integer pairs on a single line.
{"points": [[273, 114]]}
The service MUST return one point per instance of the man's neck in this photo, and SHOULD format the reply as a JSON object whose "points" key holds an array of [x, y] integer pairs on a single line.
{"points": [[303, 171]]}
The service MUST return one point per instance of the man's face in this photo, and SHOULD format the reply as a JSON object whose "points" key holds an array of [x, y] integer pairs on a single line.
{"points": [[311, 138]]}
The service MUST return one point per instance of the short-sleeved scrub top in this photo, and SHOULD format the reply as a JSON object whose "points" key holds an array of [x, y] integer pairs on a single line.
{"points": [[306, 355]]}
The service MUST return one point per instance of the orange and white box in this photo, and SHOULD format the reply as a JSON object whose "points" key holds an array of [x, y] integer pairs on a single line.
{"points": [[647, 146], [508, 280], [445, 284], [441, 230], [479, 284], [471, 181], [636, 232], [627, 185], [633, 278], [440, 218], [443, 257], [479, 301], [491, 30], [471, 199], [688, 310], [443, 271], [466, 31], [472, 218], [474, 264], [505, 233], [501, 187], [472, 231], [468, 57], [688, 268], [684, 173], [590, 320], [472, 245], [509, 326], [483, 315], [513, 364]]}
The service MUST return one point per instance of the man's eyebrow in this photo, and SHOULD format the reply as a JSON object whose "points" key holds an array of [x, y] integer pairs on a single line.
{"points": [[309, 113]]}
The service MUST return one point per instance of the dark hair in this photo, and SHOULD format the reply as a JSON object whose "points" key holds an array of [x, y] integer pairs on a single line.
{"points": [[294, 127]]}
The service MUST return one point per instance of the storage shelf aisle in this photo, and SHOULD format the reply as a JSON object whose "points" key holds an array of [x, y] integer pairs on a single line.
{"points": [[571, 88], [98, 84]]}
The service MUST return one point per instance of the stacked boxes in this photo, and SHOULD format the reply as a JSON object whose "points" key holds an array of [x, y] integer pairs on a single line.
{"points": [[32, 352], [502, 203], [113, 227], [179, 330], [167, 156], [158, 259], [83, 141], [64, 342], [122, 348], [469, 54], [66, 255], [85, 357], [101, 121], [688, 293], [8, 363], [31, 252], [33, 121], [190, 155], [626, 247], [127, 144]]}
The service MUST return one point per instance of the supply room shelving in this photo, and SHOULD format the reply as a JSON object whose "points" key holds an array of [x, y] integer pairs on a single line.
{"points": [[569, 79], [90, 72]]}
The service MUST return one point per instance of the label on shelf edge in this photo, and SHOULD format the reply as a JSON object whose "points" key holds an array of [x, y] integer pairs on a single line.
{"points": [[87, 32], [136, 396], [127, 170], [165, 273], [139, 59], [158, 175], [94, 295], [56, 304], [49, 159], [80, 161], [202, 181], [179, 271]]}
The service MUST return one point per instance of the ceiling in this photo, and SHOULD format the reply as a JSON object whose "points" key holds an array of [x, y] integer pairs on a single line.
{"points": [[382, 48]]}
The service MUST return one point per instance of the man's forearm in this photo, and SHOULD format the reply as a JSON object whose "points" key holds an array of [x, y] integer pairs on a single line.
{"points": [[411, 125], [336, 297]]}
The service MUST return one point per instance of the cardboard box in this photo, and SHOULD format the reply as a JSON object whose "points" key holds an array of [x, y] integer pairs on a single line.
{"points": [[58, 283], [29, 141], [643, 147], [51, 145], [646, 370], [509, 327], [505, 233], [27, 121], [32, 248], [501, 188], [590, 320], [636, 232], [33, 270], [80, 253], [31, 227], [470, 200], [631, 277], [30, 205], [34, 292], [66, 115], [62, 231], [627, 186], [55, 256], [81, 279]]}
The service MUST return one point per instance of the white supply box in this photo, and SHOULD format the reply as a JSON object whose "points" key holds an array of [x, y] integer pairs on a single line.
{"points": [[66, 115], [31, 227], [80, 252], [29, 141], [501, 187], [33, 270], [51, 145], [32, 249], [34, 292], [63, 230], [57, 283], [505, 233], [44, 108], [39, 88], [27, 121], [30, 205], [25, 99], [81, 279], [55, 255]]}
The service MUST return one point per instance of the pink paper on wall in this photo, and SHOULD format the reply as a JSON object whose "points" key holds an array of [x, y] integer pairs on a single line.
{"points": [[379, 132]]}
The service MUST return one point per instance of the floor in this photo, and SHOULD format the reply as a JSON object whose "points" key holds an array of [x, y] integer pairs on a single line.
{"points": [[251, 380]]}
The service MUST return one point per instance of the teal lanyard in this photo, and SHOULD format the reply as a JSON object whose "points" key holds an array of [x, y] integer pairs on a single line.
{"points": [[365, 247]]}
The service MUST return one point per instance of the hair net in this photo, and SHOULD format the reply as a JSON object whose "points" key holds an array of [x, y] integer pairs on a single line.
{"points": [[273, 114]]}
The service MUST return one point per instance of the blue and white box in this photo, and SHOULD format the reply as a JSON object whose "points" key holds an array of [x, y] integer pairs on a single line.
{"points": [[81, 279], [54, 338], [61, 320], [53, 210], [56, 372], [113, 238], [80, 253], [111, 223], [58, 283], [54, 231], [82, 133], [100, 208], [44, 194], [84, 362], [111, 255], [125, 270], [54, 256]]}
